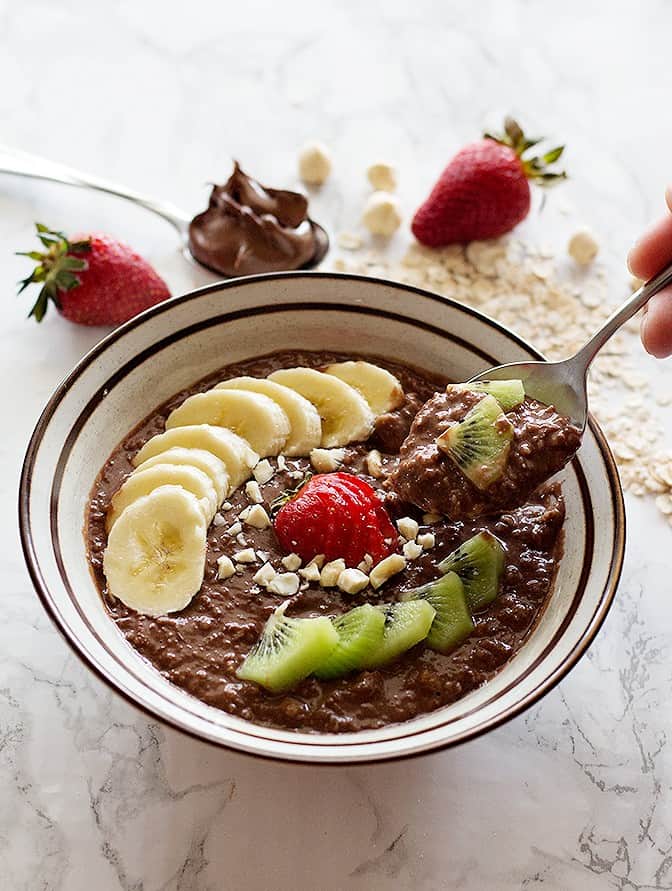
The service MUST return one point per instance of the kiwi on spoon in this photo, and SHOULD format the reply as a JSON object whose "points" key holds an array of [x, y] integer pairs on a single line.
{"points": [[509, 394]]}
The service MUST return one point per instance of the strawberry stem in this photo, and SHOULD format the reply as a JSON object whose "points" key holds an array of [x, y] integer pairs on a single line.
{"points": [[55, 269], [535, 167]]}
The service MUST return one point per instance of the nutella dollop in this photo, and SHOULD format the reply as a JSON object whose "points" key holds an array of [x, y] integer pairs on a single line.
{"points": [[248, 228]]}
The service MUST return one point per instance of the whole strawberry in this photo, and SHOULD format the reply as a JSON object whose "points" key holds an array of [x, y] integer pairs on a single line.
{"points": [[91, 279], [485, 190]]}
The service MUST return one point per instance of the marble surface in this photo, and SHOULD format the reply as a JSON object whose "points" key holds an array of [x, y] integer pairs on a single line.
{"points": [[575, 794]]}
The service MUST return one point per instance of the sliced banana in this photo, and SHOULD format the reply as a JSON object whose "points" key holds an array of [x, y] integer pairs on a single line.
{"points": [[253, 416], [304, 421], [199, 458], [237, 454], [142, 482], [346, 416], [378, 386], [155, 556]]}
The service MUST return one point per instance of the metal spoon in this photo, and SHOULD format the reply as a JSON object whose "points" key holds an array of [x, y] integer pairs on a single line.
{"points": [[564, 384], [19, 163]]}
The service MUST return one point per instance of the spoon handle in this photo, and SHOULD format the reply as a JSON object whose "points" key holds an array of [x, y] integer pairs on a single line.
{"points": [[640, 298], [21, 163]]}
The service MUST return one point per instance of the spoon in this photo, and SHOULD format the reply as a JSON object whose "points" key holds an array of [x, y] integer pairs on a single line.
{"points": [[564, 384], [19, 163]]}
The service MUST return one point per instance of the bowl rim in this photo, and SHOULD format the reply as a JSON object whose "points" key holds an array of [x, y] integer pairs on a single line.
{"points": [[32, 562]]}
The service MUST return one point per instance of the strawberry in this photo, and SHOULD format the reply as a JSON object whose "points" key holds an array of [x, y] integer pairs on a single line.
{"points": [[485, 190], [338, 515], [92, 279]]}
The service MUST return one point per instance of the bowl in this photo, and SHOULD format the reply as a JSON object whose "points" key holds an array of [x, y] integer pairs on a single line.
{"points": [[172, 345]]}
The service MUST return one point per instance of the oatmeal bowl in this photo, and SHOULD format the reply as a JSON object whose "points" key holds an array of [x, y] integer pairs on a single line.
{"points": [[272, 514]]}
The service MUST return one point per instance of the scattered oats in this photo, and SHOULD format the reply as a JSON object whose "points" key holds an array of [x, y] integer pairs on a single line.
{"points": [[314, 163], [636, 283], [327, 460], [264, 575], [408, 527], [352, 581], [430, 519], [384, 570], [427, 540], [225, 567], [340, 265], [664, 398], [282, 463], [311, 572], [263, 472], [219, 520], [235, 528], [374, 463], [258, 518], [664, 504], [284, 583], [412, 550], [291, 562], [583, 247], [253, 492], [331, 572], [245, 556], [349, 241], [226, 506]]}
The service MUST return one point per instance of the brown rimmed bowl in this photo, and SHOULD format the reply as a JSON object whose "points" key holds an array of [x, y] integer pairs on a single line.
{"points": [[170, 346]]}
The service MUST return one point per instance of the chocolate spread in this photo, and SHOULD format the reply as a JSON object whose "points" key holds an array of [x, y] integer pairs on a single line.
{"points": [[543, 442], [200, 648], [249, 228]]}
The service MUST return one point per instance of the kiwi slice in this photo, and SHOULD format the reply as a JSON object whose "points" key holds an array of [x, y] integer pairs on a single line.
{"points": [[479, 562], [480, 443], [288, 650], [406, 624], [452, 623], [360, 631], [509, 394]]}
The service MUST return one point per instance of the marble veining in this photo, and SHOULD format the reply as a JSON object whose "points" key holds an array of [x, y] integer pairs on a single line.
{"points": [[574, 794]]}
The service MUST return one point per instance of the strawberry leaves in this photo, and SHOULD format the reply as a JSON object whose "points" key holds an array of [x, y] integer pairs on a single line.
{"points": [[535, 168], [55, 269]]}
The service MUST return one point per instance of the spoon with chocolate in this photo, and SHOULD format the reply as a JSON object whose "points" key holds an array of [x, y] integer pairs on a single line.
{"points": [[246, 229], [484, 446]]}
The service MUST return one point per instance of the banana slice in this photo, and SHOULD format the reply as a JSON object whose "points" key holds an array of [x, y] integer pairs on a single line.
{"points": [[238, 455], [346, 416], [142, 482], [379, 387], [253, 416], [155, 556], [305, 425], [199, 458]]}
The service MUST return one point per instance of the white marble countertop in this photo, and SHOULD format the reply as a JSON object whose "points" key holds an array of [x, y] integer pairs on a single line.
{"points": [[575, 794]]}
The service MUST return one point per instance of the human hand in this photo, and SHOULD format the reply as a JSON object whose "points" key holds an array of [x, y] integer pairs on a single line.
{"points": [[647, 257]]}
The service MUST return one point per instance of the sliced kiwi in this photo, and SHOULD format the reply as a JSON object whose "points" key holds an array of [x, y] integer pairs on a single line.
{"points": [[480, 443], [479, 562], [452, 623], [360, 632], [406, 624], [288, 650], [509, 394]]}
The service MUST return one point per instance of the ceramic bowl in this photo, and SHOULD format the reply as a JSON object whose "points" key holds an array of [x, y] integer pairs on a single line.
{"points": [[172, 345]]}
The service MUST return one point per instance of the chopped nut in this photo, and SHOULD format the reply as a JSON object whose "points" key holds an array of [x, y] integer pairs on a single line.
{"points": [[352, 581], [382, 214], [374, 463], [226, 506], [366, 563], [314, 163], [264, 575], [225, 567], [282, 463], [253, 492], [331, 572], [311, 572], [284, 583], [349, 241], [263, 472], [219, 520], [258, 517], [291, 562], [412, 550], [382, 176], [235, 528], [318, 560], [242, 541], [427, 540], [264, 556], [583, 247], [408, 527], [245, 512], [384, 570], [245, 556], [327, 460], [295, 474]]}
